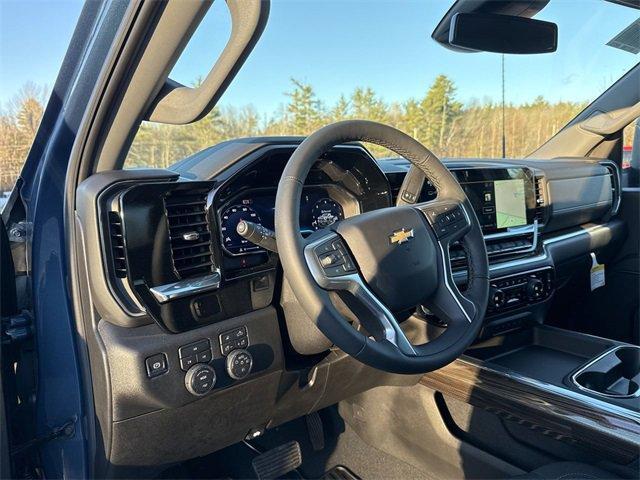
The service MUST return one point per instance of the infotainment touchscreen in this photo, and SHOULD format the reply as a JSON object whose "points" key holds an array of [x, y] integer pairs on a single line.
{"points": [[499, 203], [511, 209]]}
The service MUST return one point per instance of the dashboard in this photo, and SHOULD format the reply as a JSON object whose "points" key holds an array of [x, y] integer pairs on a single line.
{"points": [[172, 235], [175, 288]]}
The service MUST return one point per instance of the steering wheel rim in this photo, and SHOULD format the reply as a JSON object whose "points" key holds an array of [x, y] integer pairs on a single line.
{"points": [[418, 238]]}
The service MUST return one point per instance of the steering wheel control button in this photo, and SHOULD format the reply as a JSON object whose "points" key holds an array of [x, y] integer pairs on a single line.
{"points": [[446, 219], [334, 259], [194, 348], [200, 379], [324, 248], [331, 259], [239, 363], [409, 197], [444, 215], [156, 365], [231, 340]]}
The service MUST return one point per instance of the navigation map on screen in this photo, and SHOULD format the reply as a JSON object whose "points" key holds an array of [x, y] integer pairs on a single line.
{"points": [[510, 203]]}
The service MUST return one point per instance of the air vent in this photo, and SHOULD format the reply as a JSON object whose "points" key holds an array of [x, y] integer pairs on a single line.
{"points": [[614, 175], [117, 245], [540, 201], [189, 233], [515, 245]]}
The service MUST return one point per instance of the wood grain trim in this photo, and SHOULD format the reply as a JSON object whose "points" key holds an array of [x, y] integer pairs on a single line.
{"points": [[612, 431]]}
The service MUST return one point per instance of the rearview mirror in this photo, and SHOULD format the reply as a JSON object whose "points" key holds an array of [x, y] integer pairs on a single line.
{"points": [[502, 33]]}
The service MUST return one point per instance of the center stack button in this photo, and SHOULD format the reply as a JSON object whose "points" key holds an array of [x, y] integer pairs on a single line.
{"points": [[200, 379], [239, 363]]}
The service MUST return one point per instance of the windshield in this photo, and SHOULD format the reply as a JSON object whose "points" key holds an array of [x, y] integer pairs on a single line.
{"points": [[323, 62]]}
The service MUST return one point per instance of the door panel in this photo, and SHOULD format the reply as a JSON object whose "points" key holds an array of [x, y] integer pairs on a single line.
{"points": [[7, 307]]}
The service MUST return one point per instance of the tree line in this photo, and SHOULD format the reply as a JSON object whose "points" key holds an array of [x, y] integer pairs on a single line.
{"points": [[437, 119]]}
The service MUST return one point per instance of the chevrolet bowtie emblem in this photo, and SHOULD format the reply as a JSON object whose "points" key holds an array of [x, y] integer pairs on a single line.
{"points": [[401, 236]]}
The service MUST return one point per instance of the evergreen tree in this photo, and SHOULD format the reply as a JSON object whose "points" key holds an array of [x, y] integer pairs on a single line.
{"points": [[304, 107], [341, 110], [440, 109], [367, 105]]}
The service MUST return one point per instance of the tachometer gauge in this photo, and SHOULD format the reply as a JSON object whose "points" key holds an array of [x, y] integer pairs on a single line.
{"points": [[232, 242], [325, 212]]}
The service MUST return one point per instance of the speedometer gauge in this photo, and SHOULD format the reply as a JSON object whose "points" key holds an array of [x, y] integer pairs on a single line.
{"points": [[232, 242], [325, 212]]}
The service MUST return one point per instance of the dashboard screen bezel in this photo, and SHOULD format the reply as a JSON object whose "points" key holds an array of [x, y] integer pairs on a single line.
{"points": [[476, 181]]}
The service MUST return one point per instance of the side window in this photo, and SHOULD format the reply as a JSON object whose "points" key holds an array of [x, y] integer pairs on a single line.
{"points": [[631, 155], [19, 121], [35, 37]]}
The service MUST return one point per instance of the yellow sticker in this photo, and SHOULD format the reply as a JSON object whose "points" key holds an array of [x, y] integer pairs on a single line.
{"points": [[597, 273]]}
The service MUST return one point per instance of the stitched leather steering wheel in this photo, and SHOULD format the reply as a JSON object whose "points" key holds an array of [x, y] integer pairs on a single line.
{"points": [[385, 260]]}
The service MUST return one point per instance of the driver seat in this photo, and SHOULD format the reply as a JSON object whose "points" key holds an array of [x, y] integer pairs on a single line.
{"points": [[567, 471]]}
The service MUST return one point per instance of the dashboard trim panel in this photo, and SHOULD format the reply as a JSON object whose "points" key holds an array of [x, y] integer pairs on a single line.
{"points": [[188, 286]]}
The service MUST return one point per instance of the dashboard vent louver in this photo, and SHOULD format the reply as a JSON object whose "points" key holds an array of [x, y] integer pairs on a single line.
{"points": [[615, 185], [540, 201], [117, 245], [189, 233]]}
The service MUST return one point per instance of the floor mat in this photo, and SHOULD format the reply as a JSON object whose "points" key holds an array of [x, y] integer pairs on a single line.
{"points": [[345, 455], [343, 447]]}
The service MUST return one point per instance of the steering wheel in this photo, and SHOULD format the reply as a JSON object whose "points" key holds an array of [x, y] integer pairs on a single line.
{"points": [[388, 260]]}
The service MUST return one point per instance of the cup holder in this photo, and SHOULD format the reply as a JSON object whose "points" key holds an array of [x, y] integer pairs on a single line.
{"points": [[616, 373], [629, 361]]}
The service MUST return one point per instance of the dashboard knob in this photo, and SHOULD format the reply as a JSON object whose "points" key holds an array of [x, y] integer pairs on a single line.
{"points": [[239, 363], [200, 379], [535, 289], [497, 297]]}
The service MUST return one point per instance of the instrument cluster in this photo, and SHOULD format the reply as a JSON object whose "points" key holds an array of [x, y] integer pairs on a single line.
{"points": [[317, 210]]}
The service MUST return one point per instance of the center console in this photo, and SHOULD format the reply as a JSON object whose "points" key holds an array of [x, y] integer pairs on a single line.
{"points": [[581, 365], [569, 387]]}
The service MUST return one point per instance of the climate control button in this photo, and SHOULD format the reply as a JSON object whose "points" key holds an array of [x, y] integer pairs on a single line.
{"points": [[498, 298]]}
